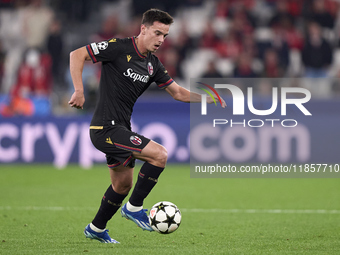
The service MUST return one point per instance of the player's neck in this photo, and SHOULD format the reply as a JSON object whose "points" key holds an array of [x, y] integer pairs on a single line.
{"points": [[140, 46]]}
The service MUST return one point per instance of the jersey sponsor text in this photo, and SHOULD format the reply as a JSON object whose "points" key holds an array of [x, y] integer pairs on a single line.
{"points": [[135, 76]]}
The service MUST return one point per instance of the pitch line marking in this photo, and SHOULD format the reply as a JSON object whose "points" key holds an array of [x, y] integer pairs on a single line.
{"points": [[264, 211], [192, 210]]}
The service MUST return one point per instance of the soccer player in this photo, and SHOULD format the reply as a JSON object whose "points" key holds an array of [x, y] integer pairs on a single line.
{"points": [[128, 69]]}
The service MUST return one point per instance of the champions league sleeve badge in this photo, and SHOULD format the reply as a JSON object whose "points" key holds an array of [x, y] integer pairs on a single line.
{"points": [[102, 45]]}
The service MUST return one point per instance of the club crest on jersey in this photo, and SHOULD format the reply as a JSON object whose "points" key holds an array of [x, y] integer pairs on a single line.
{"points": [[150, 68], [102, 45], [135, 140]]}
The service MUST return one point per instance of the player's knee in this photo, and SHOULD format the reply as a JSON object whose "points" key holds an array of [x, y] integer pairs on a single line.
{"points": [[162, 156], [123, 187], [127, 187]]}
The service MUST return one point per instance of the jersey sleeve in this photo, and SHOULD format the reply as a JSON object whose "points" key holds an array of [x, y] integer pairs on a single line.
{"points": [[162, 78], [104, 51]]}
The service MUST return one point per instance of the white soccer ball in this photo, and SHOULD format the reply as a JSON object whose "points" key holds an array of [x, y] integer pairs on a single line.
{"points": [[165, 217]]}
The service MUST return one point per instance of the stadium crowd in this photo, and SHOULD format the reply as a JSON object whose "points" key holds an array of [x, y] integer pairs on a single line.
{"points": [[210, 38]]}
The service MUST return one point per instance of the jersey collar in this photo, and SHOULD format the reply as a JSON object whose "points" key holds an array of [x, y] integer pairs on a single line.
{"points": [[135, 46]]}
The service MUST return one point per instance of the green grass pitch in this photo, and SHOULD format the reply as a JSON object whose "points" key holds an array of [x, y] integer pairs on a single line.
{"points": [[44, 211]]}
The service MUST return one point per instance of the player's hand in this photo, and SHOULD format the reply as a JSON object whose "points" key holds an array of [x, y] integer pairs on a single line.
{"points": [[223, 103], [77, 100]]}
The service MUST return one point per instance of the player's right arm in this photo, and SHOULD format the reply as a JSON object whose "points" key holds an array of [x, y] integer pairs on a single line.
{"points": [[77, 60]]}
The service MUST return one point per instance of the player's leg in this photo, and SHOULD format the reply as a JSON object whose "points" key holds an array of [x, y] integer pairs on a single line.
{"points": [[126, 145], [153, 153], [121, 179], [155, 157], [121, 173], [121, 183]]}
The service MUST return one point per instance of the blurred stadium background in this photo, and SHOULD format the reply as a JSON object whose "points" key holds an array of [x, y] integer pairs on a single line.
{"points": [[216, 38]]}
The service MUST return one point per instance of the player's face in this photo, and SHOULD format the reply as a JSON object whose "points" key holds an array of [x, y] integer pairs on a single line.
{"points": [[155, 35]]}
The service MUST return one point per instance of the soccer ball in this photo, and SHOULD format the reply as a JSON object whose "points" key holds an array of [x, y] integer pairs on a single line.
{"points": [[165, 217]]}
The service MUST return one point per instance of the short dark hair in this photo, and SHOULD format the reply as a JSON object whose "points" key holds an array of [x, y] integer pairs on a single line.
{"points": [[152, 15]]}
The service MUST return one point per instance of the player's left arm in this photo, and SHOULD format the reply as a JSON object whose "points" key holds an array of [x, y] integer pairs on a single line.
{"points": [[182, 94]]}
